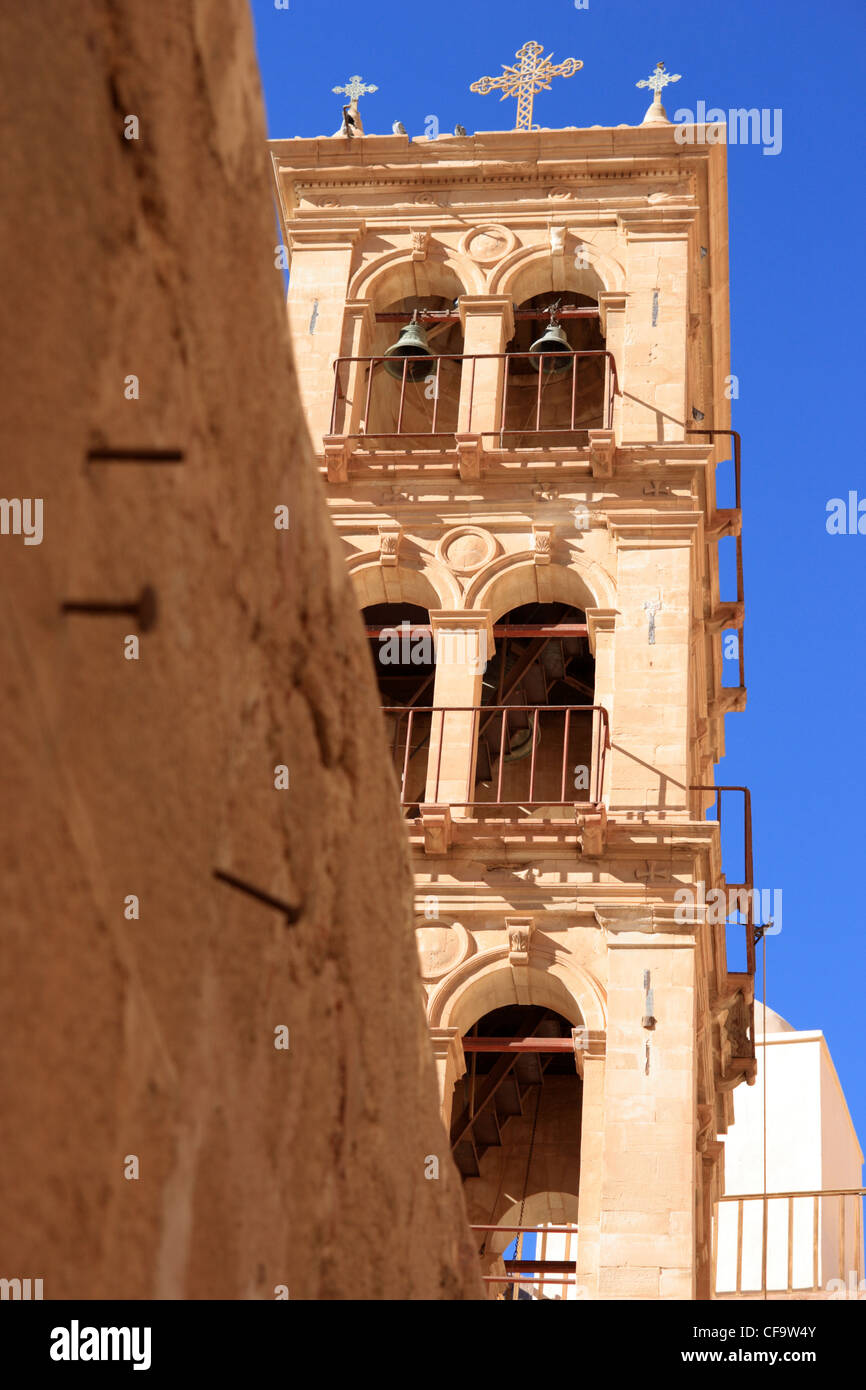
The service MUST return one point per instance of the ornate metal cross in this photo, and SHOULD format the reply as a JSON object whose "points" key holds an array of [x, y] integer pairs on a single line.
{"points": [[533, 75], [659, 79], [355, 88]]}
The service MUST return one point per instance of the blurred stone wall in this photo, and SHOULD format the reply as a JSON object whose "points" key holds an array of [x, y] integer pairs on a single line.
{"points": [[153, 1037]]}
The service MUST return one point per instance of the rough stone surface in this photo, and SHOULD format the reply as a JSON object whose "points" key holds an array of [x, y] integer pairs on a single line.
{"points": [[155, 1037]]}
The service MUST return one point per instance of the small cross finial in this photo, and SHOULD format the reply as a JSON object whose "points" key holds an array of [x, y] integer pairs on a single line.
{"points": [[533, 75], [355, 88], [656, 82]]}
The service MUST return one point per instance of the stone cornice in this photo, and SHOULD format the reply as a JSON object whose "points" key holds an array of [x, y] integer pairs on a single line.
{"points": [[657, 222], [638, 148], [652, 919], [327, 236], [634, 529]]}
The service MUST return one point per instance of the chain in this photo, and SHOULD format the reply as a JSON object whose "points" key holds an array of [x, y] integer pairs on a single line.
{"points": [[518, 1244]]}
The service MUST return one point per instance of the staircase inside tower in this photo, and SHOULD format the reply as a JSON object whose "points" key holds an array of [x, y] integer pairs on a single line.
{"points": [[515, 1137], [539, 750]]}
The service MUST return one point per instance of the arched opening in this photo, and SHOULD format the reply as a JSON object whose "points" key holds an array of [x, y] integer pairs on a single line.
{"points": [[516, 1138], [421, 402], [401, 649], [537, 742], [401, 652], [566, 396]]}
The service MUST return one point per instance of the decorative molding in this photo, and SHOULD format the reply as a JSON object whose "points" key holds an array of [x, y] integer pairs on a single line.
{"points": [[337, 450], [590, 1045], [600, 620], [610, 302], [470, 455], [448, 621], [557, 235], [437, 828], [731, 700], [519, 931], [542, 542], [725, 616], [602, 453], [390, 536], [580, 985], [363, 310], [448, 1047], [724, 522], [646, 530], [657, 223], [420, 243], [645, 918], [334, 236]]}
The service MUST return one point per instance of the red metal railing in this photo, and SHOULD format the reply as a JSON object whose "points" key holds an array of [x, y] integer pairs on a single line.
{"points": [[516, 756], [748, 885], [537, 1270], [545, 416]]}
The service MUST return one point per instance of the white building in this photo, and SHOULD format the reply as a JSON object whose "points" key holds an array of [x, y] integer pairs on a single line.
{"points": [[813, 1241]]}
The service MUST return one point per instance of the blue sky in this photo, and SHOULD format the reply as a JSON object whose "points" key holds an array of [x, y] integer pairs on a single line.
{"points": [[797, 310]]}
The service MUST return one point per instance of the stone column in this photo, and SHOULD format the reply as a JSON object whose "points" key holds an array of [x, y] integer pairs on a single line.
{"points": [[653, 368], [463, 645], [647, 1240], [320, 270], [488, 324]]}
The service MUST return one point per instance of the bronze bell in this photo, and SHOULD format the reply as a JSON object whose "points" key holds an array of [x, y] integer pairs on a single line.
{"points": [[553, 340], [411, 343]]}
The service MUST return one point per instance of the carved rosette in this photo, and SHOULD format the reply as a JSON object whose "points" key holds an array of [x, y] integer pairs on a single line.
{"points": [[466, 549], [442, 946], [486, 245]]}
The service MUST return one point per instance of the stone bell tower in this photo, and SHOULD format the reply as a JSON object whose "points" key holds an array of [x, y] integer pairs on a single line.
{"points": [[513, 352]]}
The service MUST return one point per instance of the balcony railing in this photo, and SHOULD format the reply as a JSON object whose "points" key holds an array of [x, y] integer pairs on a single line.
{"points": [[555, 1260], [744, 890], [789, 1244], [465, 393], [515, 758]]}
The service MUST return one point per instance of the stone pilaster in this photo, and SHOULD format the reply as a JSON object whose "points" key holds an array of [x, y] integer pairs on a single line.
{"points": [[647, 1240], [488, 324], [463, 643], [320, 270]]}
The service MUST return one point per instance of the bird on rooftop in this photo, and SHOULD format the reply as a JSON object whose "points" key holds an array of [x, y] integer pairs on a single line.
{"points": [[399, 128], [348, 122], [460, 130]]}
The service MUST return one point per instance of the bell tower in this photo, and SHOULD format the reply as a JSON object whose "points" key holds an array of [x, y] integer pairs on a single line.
{"points": [[513, 353]]}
